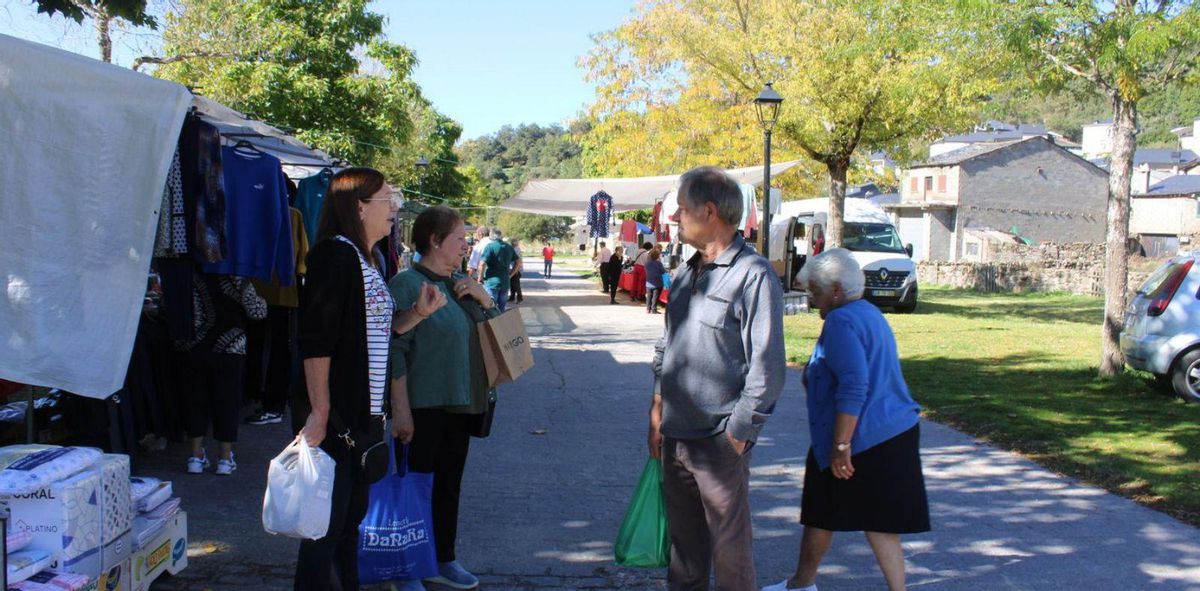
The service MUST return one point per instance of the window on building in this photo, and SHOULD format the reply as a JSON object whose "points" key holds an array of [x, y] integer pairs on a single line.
{"points": [[1198, 208], [912, 186], [928, 183], [973, 249], [941, 183]]}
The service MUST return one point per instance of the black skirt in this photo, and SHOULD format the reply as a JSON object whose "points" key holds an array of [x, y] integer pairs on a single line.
{"points": [[885, 495]]}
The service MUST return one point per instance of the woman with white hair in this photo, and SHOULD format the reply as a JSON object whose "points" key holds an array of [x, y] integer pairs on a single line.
{"points": [[864, 465]]}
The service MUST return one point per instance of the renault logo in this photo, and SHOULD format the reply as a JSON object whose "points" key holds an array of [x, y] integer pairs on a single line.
{"points": [[883, 274]]}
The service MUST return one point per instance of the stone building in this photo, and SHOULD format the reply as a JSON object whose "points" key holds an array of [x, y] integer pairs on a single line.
{"points": [[1166, 218], [1030, 187]]}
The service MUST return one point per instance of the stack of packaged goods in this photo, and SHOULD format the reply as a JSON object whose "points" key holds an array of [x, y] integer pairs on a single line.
{"points": [[159, 532], [70, 508], [155, 504]]}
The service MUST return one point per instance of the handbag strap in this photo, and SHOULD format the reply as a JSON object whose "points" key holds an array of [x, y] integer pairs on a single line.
{"points": [[473, 308]]}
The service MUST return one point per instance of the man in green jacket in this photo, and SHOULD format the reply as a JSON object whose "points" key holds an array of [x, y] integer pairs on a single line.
{"points": [[495, 267]]}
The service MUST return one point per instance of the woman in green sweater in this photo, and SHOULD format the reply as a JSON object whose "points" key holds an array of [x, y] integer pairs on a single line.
{"points": [[439, 383]]}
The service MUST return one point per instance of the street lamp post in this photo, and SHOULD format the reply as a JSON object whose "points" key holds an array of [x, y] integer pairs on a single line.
{"points": [[422, 165], [767, 105]]}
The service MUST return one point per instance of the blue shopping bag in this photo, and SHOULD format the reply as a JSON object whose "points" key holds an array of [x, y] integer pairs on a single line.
{"points": [[395, 539]]}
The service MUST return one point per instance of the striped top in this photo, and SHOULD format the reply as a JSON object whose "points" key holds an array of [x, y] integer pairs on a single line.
{"points": [[379, 306]]}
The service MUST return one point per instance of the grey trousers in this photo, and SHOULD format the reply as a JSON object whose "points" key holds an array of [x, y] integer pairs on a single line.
{"points": [[706, 485]]}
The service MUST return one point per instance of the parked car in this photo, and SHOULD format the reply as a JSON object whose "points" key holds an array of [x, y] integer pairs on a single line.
{"points": [[867, 232], [1162, 326]]}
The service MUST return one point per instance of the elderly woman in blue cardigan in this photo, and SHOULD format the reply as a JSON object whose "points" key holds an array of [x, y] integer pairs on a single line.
{"points": [[864, 467]]}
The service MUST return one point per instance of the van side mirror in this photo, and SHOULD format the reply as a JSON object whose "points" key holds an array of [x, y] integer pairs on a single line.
{"points": [[908, 249]]}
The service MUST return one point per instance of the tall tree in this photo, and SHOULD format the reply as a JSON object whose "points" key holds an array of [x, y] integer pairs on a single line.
{"points": [[102, 13], [1126, 50], [433, 139], [855, 74], [298, 65]]}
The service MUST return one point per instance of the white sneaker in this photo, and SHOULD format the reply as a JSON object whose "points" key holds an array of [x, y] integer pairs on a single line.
{"points": [[197, 465], [226, 467]]}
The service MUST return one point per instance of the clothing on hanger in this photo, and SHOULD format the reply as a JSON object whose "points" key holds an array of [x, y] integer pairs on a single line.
{"points": [[599, 214], [310, 197], [259, 224], [203, 189]]}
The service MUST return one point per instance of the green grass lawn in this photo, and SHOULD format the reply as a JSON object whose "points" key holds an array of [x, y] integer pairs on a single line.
{"points": [[1020, 371]]}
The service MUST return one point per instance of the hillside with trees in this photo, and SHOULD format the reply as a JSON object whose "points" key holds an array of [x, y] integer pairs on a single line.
{"points": [[498, 165]]}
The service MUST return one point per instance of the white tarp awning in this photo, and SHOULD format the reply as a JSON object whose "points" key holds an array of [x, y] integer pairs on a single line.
{"points": [[87, 148], [569, 197]]}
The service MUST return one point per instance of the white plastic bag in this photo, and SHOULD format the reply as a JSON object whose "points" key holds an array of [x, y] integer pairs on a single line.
{"points": [[299, 492]]}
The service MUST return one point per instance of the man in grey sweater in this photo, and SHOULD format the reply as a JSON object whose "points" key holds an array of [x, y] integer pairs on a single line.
{"points": [[719, 368]]}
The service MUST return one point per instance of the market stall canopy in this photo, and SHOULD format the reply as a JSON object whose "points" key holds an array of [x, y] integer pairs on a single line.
{"points": [[299, 159], [569, 197], [88, 148]]}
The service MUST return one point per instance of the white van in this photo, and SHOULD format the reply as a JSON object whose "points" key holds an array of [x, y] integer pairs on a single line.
{"points": [[868, 232]]}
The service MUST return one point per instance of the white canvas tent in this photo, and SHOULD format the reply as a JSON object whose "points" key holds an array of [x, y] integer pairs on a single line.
{"points": [[87, 154], [569, 197], [87, 150]]}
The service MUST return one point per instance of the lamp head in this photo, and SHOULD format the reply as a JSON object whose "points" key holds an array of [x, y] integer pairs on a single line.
{"points": [[767, 104]]}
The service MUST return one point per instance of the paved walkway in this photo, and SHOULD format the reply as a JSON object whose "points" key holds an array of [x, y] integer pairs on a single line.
{"points": [[544, 495]]}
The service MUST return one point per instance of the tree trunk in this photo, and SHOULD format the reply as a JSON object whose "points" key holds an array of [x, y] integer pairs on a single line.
{"points": [[837, 200], [1116, 268], [102, 25]]}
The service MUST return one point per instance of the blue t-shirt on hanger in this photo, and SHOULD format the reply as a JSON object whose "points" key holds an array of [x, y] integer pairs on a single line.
{"points": [[258, 225], [310, 198]]}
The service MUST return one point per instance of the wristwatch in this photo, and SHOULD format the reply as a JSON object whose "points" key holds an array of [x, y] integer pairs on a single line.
{"points": [[843, 446]]}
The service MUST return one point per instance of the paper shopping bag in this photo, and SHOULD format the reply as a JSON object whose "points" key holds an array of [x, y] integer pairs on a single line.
{"points": [[506, 350]]}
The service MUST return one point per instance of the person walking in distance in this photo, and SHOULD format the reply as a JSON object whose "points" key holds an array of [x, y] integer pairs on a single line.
{"points": [[495, 267], [482, 239], [515, 294], [601, 263], [654, 279], [719, 368], [615, 263], [547, 259]]}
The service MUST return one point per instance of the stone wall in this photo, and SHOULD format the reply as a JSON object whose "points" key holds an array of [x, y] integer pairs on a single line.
{"points": [[1072, 268]]}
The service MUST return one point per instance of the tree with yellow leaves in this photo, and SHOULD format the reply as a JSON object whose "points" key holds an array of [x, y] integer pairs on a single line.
{"points": [[677, 81]]}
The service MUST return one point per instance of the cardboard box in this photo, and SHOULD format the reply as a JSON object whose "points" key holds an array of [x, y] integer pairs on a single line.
{"points": [[116, 510], [93, 565], [115, 578], [168, 553]]}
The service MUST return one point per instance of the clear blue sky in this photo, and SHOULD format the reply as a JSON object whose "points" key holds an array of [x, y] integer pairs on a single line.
{"points": [[485, 63], [488, 63]]}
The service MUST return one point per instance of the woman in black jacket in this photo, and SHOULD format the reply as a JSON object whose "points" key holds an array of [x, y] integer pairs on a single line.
{"points": [[615, 265], [346, 319]]}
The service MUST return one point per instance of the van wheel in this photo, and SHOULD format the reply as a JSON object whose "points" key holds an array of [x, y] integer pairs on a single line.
{"points": [[1185, 376]]}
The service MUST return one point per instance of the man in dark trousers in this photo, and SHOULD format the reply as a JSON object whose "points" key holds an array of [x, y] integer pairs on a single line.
{"points": [[719, 368]]}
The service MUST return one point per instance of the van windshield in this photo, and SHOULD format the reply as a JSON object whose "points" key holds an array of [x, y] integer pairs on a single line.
{"points": [[871, 238]]}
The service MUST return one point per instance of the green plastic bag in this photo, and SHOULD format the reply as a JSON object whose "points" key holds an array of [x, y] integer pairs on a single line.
{"points": [[643, 540]]}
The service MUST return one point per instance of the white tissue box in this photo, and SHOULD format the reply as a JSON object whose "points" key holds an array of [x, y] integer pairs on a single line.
{"points": [[64, 518]]}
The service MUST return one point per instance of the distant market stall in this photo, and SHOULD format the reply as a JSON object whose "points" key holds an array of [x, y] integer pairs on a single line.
{"points": [[569, 197]]}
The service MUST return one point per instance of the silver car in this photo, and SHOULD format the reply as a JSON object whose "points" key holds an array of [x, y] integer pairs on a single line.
{"points": [[1162, 326]]}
